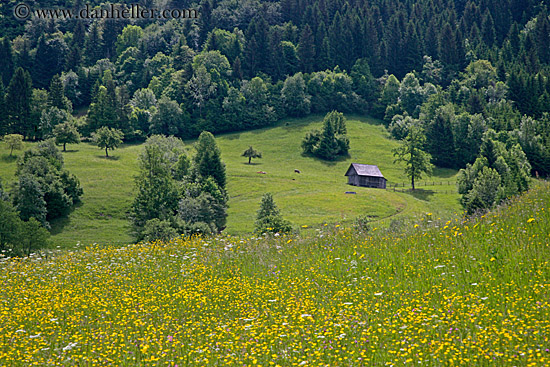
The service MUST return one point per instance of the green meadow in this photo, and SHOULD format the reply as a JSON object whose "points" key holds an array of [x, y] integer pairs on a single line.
{"points": [[309, 199]]}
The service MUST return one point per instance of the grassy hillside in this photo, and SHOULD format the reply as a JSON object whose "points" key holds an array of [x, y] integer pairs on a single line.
{"points": [[312, 198], [317, 195], [473, 293]]}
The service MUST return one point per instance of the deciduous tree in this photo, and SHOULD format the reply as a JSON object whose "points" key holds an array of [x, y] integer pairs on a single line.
{"points": [[251, 153], [107, 138], [417, 161], [66, 133], [13, 142]]}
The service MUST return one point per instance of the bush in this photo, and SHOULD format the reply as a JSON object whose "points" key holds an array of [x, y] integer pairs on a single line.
{"points": [[156, 229], [269, 219], [331, 142]]}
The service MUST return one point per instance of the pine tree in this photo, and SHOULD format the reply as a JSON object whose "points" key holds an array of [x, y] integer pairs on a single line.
{"points": [[3, 110], [50, 59], [328, 146], [93, 45], [542, 36], [8, 63], [18, 102], [237, 69], [306, 49], [257, 48], [208, 160], [75, 54], [488, 29], [269, 218], [56, 95], [24, 57], [439, 134]]}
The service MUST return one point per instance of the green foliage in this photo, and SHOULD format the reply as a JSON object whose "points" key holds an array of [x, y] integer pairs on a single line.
{"points": [[107, 138], [170, 197], [332, 90], [18, 237], [417, 161], [331, 142], [66, 133], [157, 194], [129, 37], [156, 229], [56, 95], [29, 199], [18, 103], [168, 119], [269, 219], [207, 160], [399, 127], [501, 170], [251, 153], [32, 236], [294, 97], [13, 142], [9, 223], [50, 118], [202, 208], [45, 190]]}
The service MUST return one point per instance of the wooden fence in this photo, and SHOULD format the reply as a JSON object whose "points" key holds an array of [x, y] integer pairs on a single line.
{"points": [[406, 186]]}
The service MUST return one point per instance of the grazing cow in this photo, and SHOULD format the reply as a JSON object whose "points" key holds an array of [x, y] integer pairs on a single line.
{"points": [[297, 171], [262, 172]]}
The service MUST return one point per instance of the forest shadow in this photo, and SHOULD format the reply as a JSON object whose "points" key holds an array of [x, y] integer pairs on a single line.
{"points": [[109, 158], [8, 159], [252, 164], [58, 224], [331, 163], [421, 194], [443, 173], [233, 136]]}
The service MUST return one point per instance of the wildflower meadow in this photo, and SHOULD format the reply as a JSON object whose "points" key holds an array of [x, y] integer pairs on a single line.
{"points": [[457, 292]]}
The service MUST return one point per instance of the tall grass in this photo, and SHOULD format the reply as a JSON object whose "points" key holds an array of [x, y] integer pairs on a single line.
{"points": [[461, 292]]}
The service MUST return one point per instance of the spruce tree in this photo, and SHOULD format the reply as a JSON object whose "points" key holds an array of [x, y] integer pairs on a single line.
{"points": [[18, 102], [269, 218], [3, 111], [56, 95], [306, 49], [8, 62], [207, 159]]}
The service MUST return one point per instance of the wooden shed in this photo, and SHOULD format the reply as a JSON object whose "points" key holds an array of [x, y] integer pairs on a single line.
{"points": [[365, 175]]}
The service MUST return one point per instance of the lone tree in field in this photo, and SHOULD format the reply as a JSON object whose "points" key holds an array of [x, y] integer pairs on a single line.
{"points": [[66, 133], [107, 138], [14, 142], [251, 153], [269, 219], [417, 161]]}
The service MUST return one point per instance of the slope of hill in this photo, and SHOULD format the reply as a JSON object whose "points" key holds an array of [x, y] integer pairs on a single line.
{"points": [[472, 292], [311, 198]]}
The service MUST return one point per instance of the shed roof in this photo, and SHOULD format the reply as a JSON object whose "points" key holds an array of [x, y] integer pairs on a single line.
{"points": [[365, 170]]}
